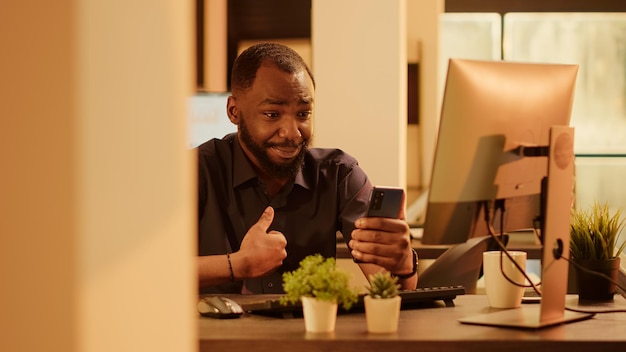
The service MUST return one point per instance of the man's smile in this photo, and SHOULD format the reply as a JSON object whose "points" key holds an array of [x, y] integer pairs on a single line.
{"points": [[285, 152]]}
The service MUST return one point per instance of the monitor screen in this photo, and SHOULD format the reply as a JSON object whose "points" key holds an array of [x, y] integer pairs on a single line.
{"points": [[491, 111], [207, 117]]}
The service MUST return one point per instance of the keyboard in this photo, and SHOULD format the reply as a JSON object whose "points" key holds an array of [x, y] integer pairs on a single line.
{"points": [[424, 297]]}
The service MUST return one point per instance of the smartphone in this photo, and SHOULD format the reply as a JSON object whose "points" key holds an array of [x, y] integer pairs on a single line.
{"points": [[385, 202]]}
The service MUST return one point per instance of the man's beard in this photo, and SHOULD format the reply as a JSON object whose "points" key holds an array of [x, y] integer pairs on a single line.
{"points": [[277, 170]]}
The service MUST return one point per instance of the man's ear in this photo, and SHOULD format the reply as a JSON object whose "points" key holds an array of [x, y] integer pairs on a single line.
{"points": [[232, 110]]}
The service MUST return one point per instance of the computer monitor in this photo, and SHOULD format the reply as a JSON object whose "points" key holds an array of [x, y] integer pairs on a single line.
{"points": [[557, 192], [505, 135], [492, 112]]}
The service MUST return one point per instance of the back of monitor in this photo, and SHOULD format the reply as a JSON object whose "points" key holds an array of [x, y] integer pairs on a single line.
{"points": [[555, 239]]}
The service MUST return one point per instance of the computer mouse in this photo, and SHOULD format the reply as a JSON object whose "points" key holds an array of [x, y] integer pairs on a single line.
{"points": [[219, 307]]}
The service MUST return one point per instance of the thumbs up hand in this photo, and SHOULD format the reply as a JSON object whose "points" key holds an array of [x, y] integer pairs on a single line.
{"points": [[261, 252]]}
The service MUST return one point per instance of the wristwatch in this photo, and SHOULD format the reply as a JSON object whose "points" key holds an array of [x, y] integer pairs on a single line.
{"points": [[413, 272]]}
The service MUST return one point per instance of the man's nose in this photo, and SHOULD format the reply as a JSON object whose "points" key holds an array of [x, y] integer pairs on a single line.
{"points": [[290, 128]]}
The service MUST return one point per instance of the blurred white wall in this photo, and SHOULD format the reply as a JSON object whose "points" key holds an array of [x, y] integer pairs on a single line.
{"points": [[359, 60], [96, 193]]}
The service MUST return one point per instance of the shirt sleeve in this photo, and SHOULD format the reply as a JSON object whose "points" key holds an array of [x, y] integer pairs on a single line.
{"points": [[355, 188]]}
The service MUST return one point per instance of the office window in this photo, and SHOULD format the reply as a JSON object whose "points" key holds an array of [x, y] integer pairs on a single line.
{"points": [[468, 36], [207, 118], [595, 41]]}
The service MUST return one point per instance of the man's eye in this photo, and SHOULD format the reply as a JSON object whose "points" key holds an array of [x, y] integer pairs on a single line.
{"points": [[304, 114], [271, 115]]}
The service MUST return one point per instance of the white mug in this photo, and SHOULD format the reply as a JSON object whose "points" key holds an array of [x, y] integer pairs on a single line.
{"points": [[500, 292]]}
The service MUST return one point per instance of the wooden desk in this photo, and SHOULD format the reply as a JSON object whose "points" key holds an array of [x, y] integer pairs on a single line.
{"points": [[425, 251], [424, 330]]}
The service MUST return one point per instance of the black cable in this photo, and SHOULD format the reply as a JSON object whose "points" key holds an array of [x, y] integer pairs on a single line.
{"points": [[499, 205], [505, 251], [620, 288]]}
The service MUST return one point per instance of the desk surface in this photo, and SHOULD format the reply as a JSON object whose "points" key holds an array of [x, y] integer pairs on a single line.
{"points": [[426, 251], [424, 330]]}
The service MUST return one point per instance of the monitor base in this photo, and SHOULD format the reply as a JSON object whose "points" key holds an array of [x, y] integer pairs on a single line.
{"points": [[526, 317]]}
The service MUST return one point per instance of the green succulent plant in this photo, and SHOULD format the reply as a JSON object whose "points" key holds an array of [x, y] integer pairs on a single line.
{"points": [[383, 285], [595, 232], [318, 277]]}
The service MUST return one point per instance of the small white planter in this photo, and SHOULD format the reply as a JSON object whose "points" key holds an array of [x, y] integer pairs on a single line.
{"points": [[382, 314], [319, 315]]}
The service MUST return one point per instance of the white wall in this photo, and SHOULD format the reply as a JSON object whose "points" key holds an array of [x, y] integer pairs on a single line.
{"points": [[359, 61], [216, 45], [96, 191], [423, 47]]}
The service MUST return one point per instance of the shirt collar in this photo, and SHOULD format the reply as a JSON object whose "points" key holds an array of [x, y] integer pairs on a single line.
{"points": [[243, 170]]}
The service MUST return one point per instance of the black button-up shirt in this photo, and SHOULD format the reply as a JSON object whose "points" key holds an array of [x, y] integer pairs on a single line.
{"points": [[328, 195]]}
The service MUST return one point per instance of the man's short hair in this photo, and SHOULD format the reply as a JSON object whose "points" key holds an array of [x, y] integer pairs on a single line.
{"points": [[248, 62]]}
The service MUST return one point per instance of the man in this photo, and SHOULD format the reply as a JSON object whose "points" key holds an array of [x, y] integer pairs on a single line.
{"points": [[267, 200]]}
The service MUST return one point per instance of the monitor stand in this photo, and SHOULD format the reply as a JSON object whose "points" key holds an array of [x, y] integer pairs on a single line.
{"points": [[555, 238]]}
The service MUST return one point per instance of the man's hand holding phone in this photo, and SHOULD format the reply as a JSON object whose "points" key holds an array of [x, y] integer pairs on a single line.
{"points": [[383, 237]]}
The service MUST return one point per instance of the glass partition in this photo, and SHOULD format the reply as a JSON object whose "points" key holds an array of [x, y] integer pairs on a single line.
{"points": [[597, 43], [594, 41], [207, 117], [468, 36]]}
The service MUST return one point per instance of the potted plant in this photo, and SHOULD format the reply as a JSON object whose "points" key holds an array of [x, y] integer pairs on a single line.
{"points": [[594, 237], [382, 303], [321, 287]]}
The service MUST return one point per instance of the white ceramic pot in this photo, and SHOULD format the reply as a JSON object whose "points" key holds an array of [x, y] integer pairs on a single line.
{"points": [[382, 314], [319, 315]]}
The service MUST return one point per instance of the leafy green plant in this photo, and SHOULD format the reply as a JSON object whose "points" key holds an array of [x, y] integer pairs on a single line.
{"points": [[594, 233], [383, 285], [318, 277]]}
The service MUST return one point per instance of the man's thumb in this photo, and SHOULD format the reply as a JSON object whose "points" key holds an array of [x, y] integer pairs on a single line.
{"points": [[266, 218]]}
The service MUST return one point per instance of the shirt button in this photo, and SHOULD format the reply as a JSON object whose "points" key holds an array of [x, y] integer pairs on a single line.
{"points": [[270, 284]]}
